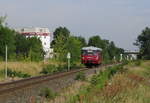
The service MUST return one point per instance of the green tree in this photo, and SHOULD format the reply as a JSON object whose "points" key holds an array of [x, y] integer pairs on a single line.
{"points": [[95, 41], [73, 45], [61, 31], [7, 37], [98, 42], [143, 42], [61, 36], [82, 40], [35, 52], [59, 48], [112, 50], [63, 43], [22, 46], [28, 48]]}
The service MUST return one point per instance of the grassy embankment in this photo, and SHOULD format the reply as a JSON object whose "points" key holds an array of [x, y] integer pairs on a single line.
{"points": [[18, 70], [129, 84], [31, 68]]}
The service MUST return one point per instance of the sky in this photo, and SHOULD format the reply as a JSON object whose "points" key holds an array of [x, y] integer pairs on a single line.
{"points": [[120, 21]]}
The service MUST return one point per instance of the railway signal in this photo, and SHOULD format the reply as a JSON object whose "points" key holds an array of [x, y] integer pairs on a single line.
{"points": [[68, 57], [121, 58], [6, 62]]}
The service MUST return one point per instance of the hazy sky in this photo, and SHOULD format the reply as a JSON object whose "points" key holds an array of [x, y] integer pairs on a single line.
{"points": [[116, 20]]}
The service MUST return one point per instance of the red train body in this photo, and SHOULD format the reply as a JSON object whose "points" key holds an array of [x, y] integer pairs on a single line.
{"points": [[91, 56]]}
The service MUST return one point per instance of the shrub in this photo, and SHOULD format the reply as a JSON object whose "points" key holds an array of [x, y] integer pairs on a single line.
{"points": [[62, 68], [80, 76], [76, 65], [125, 62], [12, 73], [94, 79], [47, 93], [101, 79], [49, 69], [137, 63]]}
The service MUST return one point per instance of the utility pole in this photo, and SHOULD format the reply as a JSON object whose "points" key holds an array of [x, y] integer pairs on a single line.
{"points": [[6, 62]]}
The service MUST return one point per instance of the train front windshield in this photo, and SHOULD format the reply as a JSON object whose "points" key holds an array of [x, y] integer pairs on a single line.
{"points": [[89, 52]]}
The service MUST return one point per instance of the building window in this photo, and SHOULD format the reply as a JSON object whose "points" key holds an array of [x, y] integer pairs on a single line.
{"points": [[44, 43], [44, 37]]}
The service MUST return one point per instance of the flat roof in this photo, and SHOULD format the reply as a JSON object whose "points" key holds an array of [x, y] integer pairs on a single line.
{"points": [[91, 48]]}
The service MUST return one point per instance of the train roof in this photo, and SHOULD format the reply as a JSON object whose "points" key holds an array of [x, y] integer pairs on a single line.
{"points": [[91, 48]]}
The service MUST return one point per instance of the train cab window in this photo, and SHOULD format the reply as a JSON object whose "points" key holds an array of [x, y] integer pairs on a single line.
{"points": [[89, 52]]}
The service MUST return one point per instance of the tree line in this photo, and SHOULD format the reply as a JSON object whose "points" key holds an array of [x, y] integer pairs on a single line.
{"points": [[19, 47], [22, 48], [64, 42], [30, 49]]}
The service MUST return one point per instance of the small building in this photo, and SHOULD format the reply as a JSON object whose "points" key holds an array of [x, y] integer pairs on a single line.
{"points": [[132, 54], [43, 34]]}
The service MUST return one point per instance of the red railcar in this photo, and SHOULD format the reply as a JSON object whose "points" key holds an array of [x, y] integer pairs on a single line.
{"points": [[91, 56]]}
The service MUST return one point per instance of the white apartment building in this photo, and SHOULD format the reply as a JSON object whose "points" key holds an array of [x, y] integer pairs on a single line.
{"points": [[43, 34]]}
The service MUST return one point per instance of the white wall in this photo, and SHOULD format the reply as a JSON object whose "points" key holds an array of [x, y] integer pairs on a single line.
{"points": [[45, 39]]}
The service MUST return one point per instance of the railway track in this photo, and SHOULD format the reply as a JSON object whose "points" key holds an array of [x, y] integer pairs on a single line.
{"points": [[20, 84]]}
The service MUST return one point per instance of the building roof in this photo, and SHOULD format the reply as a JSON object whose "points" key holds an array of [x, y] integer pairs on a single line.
{"points": [[34, 31], [91, 48]]}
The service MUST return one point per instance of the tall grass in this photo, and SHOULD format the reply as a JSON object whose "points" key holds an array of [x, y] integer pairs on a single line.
{"points": [[32, 68], [116, 85]]}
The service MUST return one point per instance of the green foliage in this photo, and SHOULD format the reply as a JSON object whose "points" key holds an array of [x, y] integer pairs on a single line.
{"points": [[147, 72], [12, 73], [73, 46], [62, 68], [137, 63], [19, 47], [82, 40], [77, 65], [63, 43], [28, 48], [96, 41], [7, 37], [35, 52], [61, 31], [50, 69], [80, 76], [101, 79], [143, 42], [59, 47], [22, 46], [47, 93], [62, 34]]}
